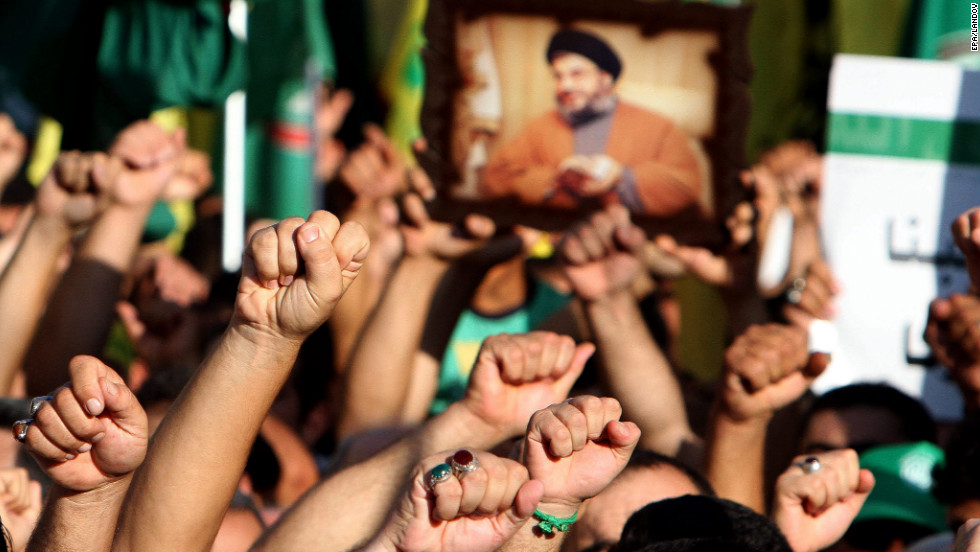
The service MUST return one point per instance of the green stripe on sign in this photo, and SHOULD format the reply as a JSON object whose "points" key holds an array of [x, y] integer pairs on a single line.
{"points": [[951, 141]]}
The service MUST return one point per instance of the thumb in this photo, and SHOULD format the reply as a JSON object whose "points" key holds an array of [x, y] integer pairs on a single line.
{"points": [[582, 354], [525, 502], [622, 435], [121, 404], [351, 246]]}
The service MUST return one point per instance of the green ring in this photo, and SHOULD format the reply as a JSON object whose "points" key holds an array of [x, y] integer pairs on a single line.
{"points": [[439, 473]]}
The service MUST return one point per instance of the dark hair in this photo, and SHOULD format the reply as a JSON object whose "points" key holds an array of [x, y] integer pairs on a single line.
{"points": [[916, 422], [164, 384], [879, 534], [699, 523], [959, 480], [643, 458]]}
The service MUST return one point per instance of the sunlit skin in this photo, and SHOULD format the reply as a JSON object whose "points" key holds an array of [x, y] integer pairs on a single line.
{"points": [[578, 81]]}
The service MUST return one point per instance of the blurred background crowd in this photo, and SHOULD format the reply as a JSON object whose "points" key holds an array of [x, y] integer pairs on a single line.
{"points": [[612, 388]]}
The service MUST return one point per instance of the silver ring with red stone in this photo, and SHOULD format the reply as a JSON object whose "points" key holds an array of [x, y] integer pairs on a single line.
{"points": [[20, 429], [463, 462]]}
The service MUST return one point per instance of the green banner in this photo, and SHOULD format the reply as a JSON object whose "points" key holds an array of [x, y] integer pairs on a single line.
{"points": [[950, 141]]}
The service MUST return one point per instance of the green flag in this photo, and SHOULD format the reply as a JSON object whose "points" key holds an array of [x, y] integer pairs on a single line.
{"points": [[289, 51]]}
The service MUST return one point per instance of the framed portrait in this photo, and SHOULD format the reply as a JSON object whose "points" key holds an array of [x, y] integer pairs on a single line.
{"points": [[539, 111]]}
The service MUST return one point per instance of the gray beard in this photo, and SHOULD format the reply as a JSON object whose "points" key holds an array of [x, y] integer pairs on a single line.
{"points": [[595, 109]]}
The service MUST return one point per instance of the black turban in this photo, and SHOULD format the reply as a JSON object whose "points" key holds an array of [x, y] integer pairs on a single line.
{"points": [[587, 45]]}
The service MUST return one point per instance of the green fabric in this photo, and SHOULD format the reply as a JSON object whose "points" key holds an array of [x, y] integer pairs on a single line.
{"points": [[872, 27], [951, 141], [472, 328], [155, 54], [792, 45], [903, 481], [160, 223], [289, 47], [403, 80], [940, 29]]}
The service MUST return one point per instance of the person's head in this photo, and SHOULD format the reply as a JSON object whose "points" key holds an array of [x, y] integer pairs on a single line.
{"points": [[863, 415], [958, 482], [584, 69], [648, 477], [699, 523]]}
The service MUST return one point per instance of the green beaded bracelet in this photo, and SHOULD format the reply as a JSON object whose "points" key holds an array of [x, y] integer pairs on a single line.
{"points": [[549, 524]]}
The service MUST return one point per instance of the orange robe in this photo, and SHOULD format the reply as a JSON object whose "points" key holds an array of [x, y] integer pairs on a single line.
{"points": [[652, 147]]}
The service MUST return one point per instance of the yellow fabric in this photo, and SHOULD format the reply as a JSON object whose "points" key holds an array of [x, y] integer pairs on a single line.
{"points": [[46, 149]]}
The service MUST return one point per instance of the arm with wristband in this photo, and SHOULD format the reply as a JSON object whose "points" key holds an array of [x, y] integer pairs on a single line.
{"points": [[575, 449]]}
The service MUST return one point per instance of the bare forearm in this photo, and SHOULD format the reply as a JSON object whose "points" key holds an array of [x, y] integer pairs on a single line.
{"points": [[372, 485], [205, 439], [380, 370], [24, 290], [81, 310], [79, 522], [735, 459], [635, 369], [530, 538]]}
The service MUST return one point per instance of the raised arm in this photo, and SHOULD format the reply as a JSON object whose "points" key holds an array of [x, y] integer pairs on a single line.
{"points": [[513, 376], [966, 234], [953, 332], [89, 289], [293, 275], [575, 448], [766, 368], [818, 497], [88, 436], [70, 197], [380, 372], [601, 261]]}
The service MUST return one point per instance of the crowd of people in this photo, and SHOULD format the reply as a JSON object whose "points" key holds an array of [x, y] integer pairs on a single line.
{"points": [[378, 379]]}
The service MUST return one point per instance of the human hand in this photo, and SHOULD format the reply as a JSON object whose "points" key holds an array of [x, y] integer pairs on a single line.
{"points": [[953, 332], [295, 272], [13, 150], [377, 170], [815, 299], [475, 513], [331, 110], [604, 174], [516, 375], [813, 509], [193, 177], [799, 169], [601, 256], [589, 176], [734, 266], [966, 234], [442, 241], [20, 505], [77, 188], [576, 448], [766, 368], [91, 432], [151, 159]]}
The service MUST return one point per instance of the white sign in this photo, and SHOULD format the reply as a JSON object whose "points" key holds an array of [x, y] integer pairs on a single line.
{"points": [[903, 161]]}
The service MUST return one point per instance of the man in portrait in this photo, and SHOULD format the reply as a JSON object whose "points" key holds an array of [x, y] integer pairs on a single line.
{"points": [[594, 145]]}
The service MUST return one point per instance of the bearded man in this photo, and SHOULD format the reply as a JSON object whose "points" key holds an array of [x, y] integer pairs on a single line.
{"points": [[594, 145]]}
